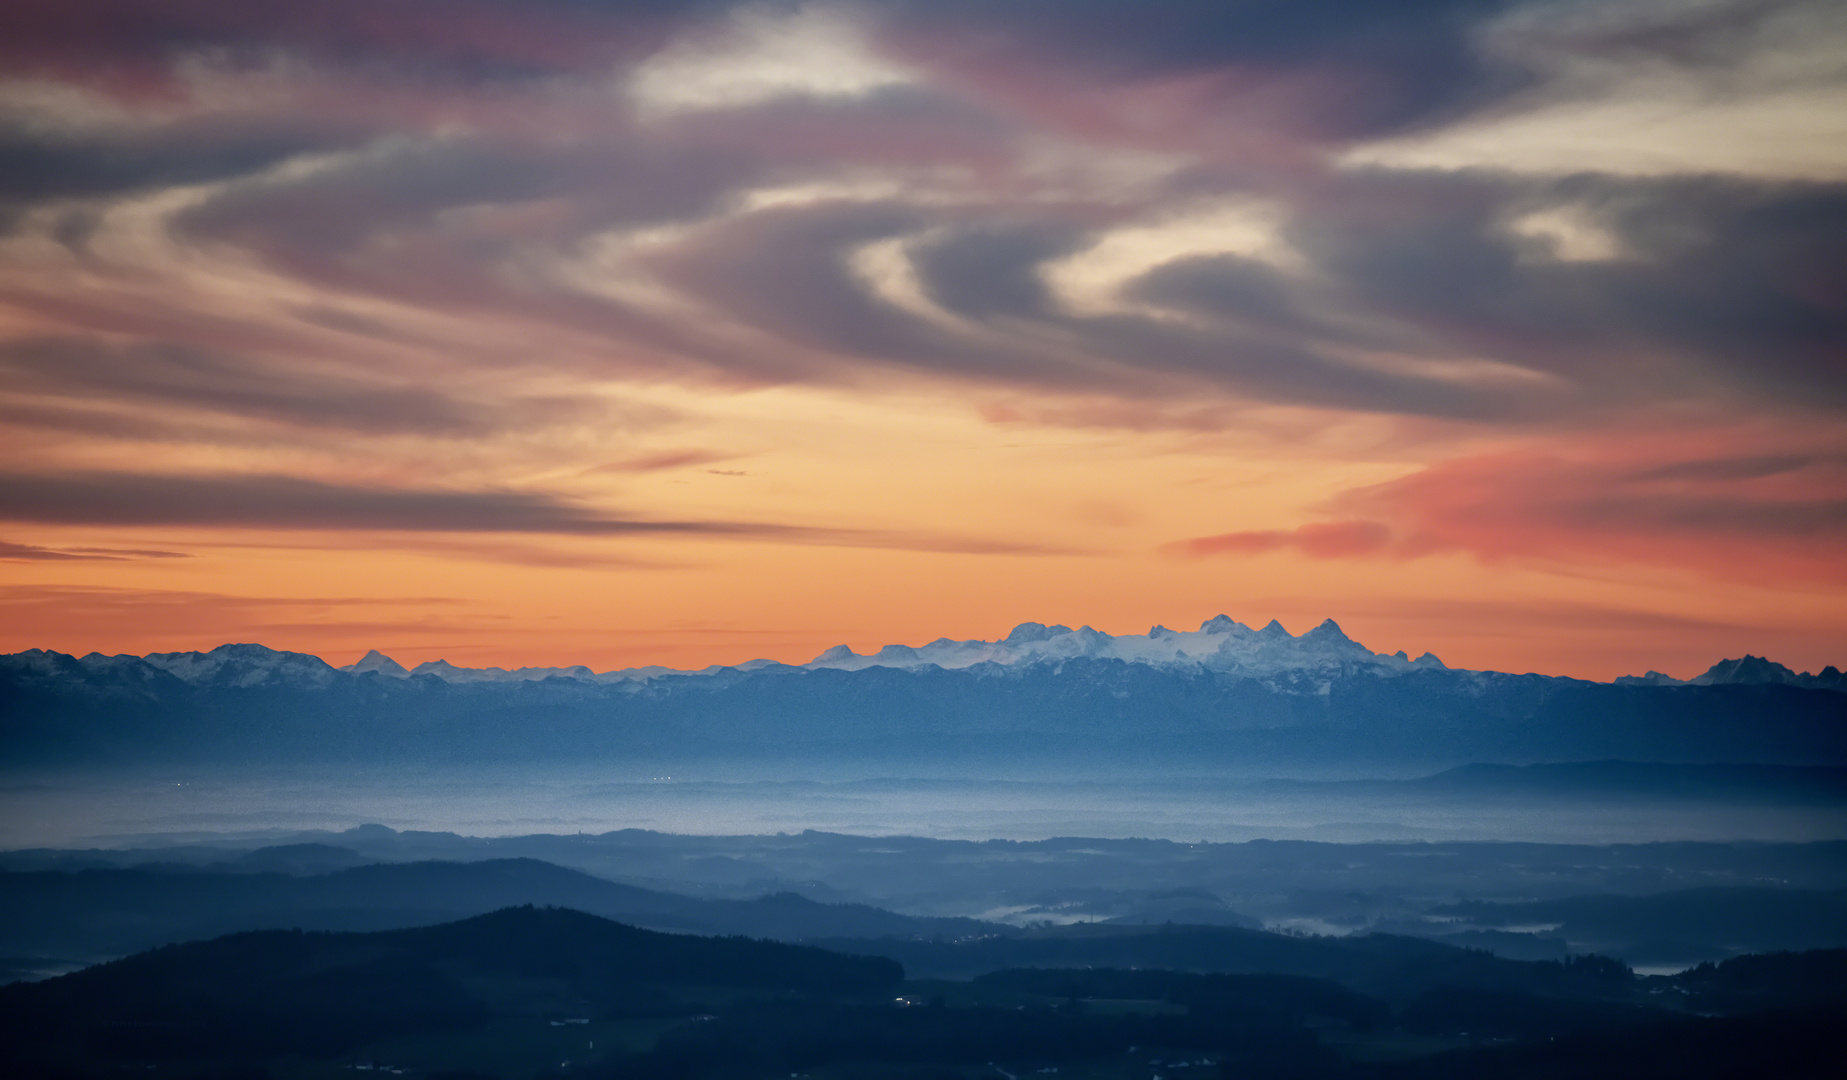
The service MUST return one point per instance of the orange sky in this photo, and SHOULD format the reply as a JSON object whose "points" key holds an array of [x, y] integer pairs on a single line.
{"points": [[540, 334]]}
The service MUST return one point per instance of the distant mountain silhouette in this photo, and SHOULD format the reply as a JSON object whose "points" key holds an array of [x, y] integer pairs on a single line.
{"points": [[1217, 1002], [1747, 670], [1755, 670], [1678, 926], [1388, 966], [102, 913], [1301, 701], [281, 991]]}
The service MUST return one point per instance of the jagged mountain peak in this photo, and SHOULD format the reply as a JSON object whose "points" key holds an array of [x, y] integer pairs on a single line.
{"points": [[1745, 669], [377, 661], [1219, 644], [243, 664], [1029, 632]]}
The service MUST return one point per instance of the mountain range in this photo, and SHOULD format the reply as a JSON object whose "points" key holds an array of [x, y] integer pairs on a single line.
{"points": [[104, 913], [1220, 644], [1049, 695]]}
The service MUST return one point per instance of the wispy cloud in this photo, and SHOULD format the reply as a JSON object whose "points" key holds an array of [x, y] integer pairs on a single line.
{"points": [[35, 553], [1747, 515], [275, 502], [519, 276]]}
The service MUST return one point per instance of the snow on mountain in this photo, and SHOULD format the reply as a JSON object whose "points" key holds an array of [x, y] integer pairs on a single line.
{"points": [[1220, 644], [448, 672], [378, 662], [242, 665]]}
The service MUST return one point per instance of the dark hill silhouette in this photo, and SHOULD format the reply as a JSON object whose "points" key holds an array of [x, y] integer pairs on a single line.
{"points": [[1753, 919], [317, 993], [1768, 980], [1387, 966], [300, 859], [104, 913], [256, 1003]]}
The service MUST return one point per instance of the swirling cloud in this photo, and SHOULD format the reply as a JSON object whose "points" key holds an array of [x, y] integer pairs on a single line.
{"points": [[1497, 270]]}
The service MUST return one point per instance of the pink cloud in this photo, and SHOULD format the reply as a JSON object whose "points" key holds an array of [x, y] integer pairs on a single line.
{"points": [[1732, 506], [1323, 540]]}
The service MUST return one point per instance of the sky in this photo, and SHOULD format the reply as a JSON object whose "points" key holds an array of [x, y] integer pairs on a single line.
{"points": [[686, 332]]}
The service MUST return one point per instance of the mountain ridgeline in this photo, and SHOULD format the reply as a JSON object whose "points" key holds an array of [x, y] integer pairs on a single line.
{"points": [[112, 912], [1052, 696], [277, 991], [536, 991]]}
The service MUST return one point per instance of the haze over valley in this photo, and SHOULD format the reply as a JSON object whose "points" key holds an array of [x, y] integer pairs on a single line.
{"points": [[1223, 776]]}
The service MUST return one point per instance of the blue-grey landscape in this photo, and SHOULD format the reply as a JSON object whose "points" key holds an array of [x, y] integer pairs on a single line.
{"points": [[923, 539], [1220, 803]]}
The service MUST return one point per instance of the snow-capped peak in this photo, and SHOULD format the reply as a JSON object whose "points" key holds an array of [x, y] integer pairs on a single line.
{"points": [[377, 661], [1220, 643], [243, 665]]}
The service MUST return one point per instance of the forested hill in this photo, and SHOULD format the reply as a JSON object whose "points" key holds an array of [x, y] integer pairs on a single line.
{"points": [[527, 991], [286, 991], [104, 913]]}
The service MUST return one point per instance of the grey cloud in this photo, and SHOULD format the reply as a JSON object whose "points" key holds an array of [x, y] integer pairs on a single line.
{"points": [[1258, 298], [1732, 279], [292, 503], [1395, 66], [500, 41], [1758, 467], [1227, 285], [34, 553], [285, 502], [1409, 59], [1292, 371], [105, 422], [1748, 277], [197, 378], [983, 271], [376, 225], [786, 271], [1728, 284], [1732, 290], [402, 185], [37, 166]]}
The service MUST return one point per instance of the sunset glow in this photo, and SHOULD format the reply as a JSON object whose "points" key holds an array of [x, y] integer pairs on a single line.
{"points": [[690, 333]]}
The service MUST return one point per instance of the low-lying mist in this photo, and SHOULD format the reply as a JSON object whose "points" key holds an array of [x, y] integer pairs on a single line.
{"points": [[1593, 803]]}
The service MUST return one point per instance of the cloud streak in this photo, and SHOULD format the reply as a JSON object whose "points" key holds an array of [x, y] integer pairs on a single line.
{"points": [[1760, 517], [277, 502], [34, 553]]}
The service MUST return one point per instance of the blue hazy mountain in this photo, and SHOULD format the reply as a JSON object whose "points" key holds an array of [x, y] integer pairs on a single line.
{"points": [[1043, 695], [110, 912]]}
